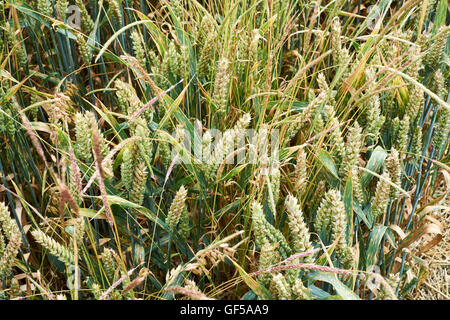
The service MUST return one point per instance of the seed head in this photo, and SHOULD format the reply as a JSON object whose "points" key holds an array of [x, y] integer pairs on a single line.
{"points": [[176, 209]]}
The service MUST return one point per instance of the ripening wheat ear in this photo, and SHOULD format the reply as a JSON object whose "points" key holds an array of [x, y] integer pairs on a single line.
{"points": [[86, 20], [381, 198], [176, 209], [267, 233], [114, 8], [301, 174], [44, 7], [436, 51], [394, 169], [221, 84], [85, 51], [335, 138], [13, 41], [138, 48], [78, 231], [267, 258], [280, 287], [61, 8], [83, 138], [193, 291], [253, 48], [331, 217], [58, 250], [300, 291], [12, 233], [110, 265], [299, 230], [208, 47]]}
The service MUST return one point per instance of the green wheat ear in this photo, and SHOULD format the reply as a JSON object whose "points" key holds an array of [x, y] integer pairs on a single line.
{"points": [[266, 233], [380, 200], [336, 139], [44, 7], [79, 231], [401, 136], [434, 56], [281, 288], [12, 233], [82, 138], [350, 99], [138, 47], [185, 227], [176, 208], [352, 149], [443, 118], [394, 169], [86, 20], [109, 263], [114, 8], [372, 112], [13, 41], [267, 258], [85, 51], [221, 85], [138, 185], [300, 291], [299, 231], [61, 8], [127, 166], [206, 55], [58, 250]]}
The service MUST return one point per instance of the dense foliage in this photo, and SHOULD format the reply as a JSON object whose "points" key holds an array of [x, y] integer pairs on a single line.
{"points": [[221, 149]]}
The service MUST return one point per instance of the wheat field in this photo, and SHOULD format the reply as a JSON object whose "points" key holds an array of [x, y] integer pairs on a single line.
{"points": [[255, 150]]}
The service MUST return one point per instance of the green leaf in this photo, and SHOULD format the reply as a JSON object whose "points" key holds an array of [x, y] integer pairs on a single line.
{"points": [[319, 293], [258, 289], [441, 14], [227, 209], [173, 106], [295, 106], [140, 210], [249, 295], [374, 164], [114, 37], [365, 217], [327, 161], [375, 238], [348, 204], [232, 173], [92, 214], [341, 289]]}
